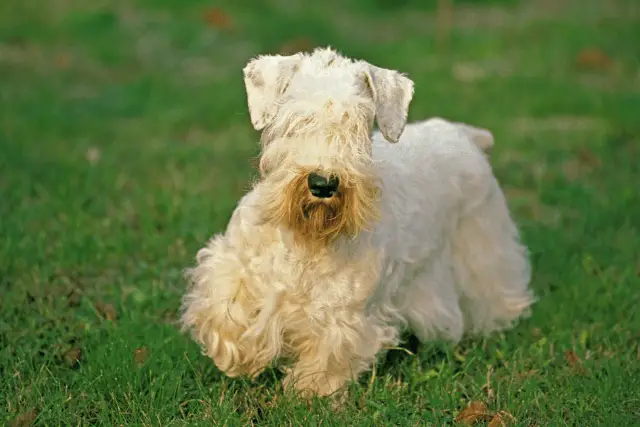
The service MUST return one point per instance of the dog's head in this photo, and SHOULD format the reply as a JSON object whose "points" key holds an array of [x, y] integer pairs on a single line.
{"points": [[316, 112]]}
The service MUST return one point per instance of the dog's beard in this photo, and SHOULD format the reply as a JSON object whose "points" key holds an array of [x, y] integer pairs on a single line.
{"points": [[316, 222]]}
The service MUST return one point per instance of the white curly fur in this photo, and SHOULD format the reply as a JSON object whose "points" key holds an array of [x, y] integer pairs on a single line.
{"points": [[422, 239]]}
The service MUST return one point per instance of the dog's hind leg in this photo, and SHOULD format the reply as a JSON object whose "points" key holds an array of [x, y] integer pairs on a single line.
{"points": [[491, 266], [430, 304]]}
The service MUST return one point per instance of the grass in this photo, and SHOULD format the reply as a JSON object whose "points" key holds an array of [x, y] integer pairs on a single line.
{"points": [[125, 143]]}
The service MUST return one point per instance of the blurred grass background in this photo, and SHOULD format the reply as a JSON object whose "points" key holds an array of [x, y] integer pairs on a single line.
{"points": [[125, 143]]}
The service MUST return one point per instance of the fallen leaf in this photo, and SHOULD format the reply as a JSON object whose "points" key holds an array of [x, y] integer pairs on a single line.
{"points": [[497, 421], [588, 158], [140, 355], [218, 18], [108, 311], [574, 360], [501, 419], [72, 357], [301, 44], [593, 58], [24, 419], [475, 412], [62, 61]]}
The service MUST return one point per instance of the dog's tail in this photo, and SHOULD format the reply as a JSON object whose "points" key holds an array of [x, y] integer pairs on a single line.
{"points": [[483, 138]]}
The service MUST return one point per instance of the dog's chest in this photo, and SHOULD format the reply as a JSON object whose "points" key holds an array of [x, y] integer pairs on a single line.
{"points": [[332, 284]]}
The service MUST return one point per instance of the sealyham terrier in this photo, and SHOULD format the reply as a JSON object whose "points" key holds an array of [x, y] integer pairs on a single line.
{"points": [[347, 240]]}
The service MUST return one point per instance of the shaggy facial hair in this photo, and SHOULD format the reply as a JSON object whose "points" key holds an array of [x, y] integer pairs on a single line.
{"points": [[316, 222]]}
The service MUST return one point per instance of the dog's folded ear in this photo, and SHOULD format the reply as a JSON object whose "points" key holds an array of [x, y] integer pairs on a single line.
{"points": [[266, 78], [392, 93]]}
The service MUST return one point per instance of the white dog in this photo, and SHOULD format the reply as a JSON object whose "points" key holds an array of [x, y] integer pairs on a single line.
{"points": [[347, 239]]}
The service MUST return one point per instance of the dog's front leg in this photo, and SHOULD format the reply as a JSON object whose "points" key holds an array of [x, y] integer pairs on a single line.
{"points": [[228, 313], [316, 374], [332, 355]]}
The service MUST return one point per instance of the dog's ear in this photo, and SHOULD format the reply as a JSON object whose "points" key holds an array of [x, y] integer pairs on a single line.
{"points": [[392, 93], [266, 78], [483, 138]]}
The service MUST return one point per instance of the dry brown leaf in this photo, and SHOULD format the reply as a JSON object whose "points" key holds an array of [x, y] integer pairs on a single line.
{"points": [[588, 158], [107, 311], [572, 358], [501, 419], [140, 355], [218, 18], [72, 357], [497, 421], [574, 361], [24, 419], [476, 411], [593, 58], [300, 44], [62, 61]]}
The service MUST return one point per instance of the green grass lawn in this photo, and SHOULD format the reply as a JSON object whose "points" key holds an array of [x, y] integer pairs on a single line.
{"points": [[125, 143]]}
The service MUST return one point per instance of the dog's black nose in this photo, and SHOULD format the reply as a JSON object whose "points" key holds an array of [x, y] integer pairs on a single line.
{"points": [[322, 187]]}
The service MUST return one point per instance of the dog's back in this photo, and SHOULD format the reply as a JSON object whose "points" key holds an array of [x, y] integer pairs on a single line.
{"points": [[435, 169]]}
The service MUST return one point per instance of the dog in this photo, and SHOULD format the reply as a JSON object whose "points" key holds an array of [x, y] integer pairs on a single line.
{"points": [[352, 235]]}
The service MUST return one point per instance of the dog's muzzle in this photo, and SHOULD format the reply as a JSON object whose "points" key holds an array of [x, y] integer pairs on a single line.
{"points": [[322, 187]]}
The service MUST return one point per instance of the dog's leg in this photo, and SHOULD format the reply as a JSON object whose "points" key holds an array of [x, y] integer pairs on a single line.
{"points": [[330, 357], [227, 314], [430, 303], [314, 374], [491, 266]]}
